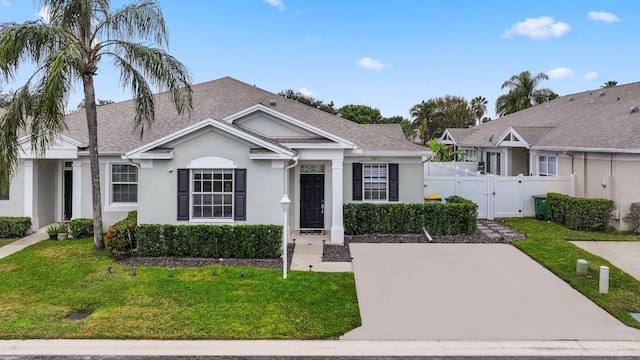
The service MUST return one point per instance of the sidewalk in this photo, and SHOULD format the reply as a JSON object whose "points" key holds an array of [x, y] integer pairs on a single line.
{"points": [[309, 251], [327, 348], [14, 247]]}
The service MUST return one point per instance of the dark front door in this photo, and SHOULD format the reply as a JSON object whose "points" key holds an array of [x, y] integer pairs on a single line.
{"points": [[68, 194], [311, 201]]}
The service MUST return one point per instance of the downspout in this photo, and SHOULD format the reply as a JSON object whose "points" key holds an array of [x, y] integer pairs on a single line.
{"points": [[286, 174]]}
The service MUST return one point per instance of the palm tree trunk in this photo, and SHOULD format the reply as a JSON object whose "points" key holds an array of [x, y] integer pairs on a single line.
{"points": [[92, 125]]}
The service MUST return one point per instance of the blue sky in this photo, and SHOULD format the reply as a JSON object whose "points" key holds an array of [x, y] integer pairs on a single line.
{"points": [[389, 54]]}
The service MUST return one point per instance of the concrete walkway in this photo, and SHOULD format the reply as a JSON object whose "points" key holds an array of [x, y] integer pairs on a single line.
{"points": [[308, 252], [470, 292], [28, 240], [623, 254]]}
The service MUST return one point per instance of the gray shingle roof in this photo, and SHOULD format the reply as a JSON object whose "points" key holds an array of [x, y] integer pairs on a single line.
{"points": [[217, 100], [586, 120]]}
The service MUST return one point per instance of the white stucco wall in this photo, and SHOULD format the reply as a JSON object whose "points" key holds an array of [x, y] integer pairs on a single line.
{"points": [[410, 176], [15, 205], [157, 194]]}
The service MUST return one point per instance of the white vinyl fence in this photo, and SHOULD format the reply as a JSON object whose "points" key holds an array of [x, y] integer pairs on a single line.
{"points": [[499, 196], [453, 168]]}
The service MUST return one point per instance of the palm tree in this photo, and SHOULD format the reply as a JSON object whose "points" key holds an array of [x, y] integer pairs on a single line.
{"points": [[479, 108], [423, 115], [67, 49], [610, 83], [523, 93]]}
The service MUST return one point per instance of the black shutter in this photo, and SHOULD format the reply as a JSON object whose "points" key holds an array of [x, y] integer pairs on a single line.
{"points": [[357, 181], [183, 194], [240, 194], [393, 182]]}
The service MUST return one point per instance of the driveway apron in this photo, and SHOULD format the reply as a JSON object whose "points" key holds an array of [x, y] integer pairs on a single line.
{"points": [[470, 292]]}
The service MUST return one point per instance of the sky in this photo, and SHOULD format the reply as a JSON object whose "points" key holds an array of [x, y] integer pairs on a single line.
{"points": [[387, 54]]}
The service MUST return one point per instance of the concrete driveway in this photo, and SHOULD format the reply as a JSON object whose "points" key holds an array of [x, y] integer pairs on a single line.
{"points": [[470, 292]]}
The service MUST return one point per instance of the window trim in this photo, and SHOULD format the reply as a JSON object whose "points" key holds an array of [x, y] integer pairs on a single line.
{"points": [[547, 173], [110, 205], [364, 183], [488, 162], [232, 193]]}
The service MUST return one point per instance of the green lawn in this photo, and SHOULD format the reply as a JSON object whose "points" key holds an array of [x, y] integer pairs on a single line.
{"points": [[4, 242], [548, 243], [46, 282]]}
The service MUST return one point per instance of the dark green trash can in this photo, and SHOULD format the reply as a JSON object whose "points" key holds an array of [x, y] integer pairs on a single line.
{"points": [[540, 202]]}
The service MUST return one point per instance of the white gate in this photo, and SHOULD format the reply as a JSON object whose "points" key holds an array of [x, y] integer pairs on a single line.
{"points": [[499, 196]]}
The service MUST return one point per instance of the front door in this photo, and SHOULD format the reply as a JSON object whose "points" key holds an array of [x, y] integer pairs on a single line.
{"points": [[311, 201], [68, 195]]}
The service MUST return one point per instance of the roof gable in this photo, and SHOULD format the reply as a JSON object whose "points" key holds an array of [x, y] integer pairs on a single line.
{"points": [[148, 151], [63, 147], [511, 138]]}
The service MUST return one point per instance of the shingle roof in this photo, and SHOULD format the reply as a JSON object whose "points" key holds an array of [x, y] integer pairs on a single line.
{"points": [[217, 100], [599, 120]]}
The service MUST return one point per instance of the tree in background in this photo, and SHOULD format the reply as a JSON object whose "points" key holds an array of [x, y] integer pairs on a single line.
{"points": [[442, 152], [308, 100], [423, 115], [610, 83], [523, 93], [67, 49], [100, 102], [361, 114], [479, 108], [5, 99]]}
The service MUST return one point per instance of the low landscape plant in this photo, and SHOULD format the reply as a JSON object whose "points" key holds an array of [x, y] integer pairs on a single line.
{"points": [[81, 228], [11, 227], [120, 238], [457, 216], [210, 241], [580, 213]]}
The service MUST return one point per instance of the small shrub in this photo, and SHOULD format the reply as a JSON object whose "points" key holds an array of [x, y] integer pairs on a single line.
{"points": [[120, 238], [81, 228], [13, 227], [635, 217]]}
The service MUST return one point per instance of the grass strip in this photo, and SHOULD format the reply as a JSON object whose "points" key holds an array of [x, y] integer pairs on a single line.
{"points": [[45, 283], [548, 243]]}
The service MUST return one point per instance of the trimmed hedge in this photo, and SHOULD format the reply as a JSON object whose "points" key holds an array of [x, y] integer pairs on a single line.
{"points": [[635, 217], [13, 227], [120, 239], [457, 216], [210, 241], [81, 228], [580, 213]]}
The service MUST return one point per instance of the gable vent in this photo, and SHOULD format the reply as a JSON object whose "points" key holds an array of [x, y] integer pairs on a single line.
{"points": [[634, 109]]}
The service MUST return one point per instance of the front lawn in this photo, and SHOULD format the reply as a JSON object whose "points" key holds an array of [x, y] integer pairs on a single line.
{"points": [[45, 283], [548, 243]]}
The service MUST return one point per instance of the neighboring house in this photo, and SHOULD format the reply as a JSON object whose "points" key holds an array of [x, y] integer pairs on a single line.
{"points": [[594, 135], [229, 163]]}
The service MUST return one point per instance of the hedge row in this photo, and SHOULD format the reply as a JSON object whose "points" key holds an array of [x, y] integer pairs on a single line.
{"points": [[635, 217], [120, 239], [580, 213], [457, 216], [14, 227], [210, 241]]}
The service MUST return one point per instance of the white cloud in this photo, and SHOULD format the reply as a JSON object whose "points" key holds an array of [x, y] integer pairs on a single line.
{"points": [[603, 16], [543, 27], [276, 3], [304, 91], [591, 76], [371, 64], [561, 73], [44, 14], [5, 3]]}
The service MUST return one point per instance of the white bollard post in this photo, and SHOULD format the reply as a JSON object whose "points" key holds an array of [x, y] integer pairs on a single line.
{"points": [[604, 280], [581, 267]]}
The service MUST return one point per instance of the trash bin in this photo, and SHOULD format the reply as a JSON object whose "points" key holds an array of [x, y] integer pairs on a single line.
{"points": [[540, 202]]}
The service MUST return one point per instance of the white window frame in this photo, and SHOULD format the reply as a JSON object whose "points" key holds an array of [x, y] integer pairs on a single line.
{"points": [[497, 164], [470, 155], [212, 193], [371, 181], [112, 206], [546, 171]]}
